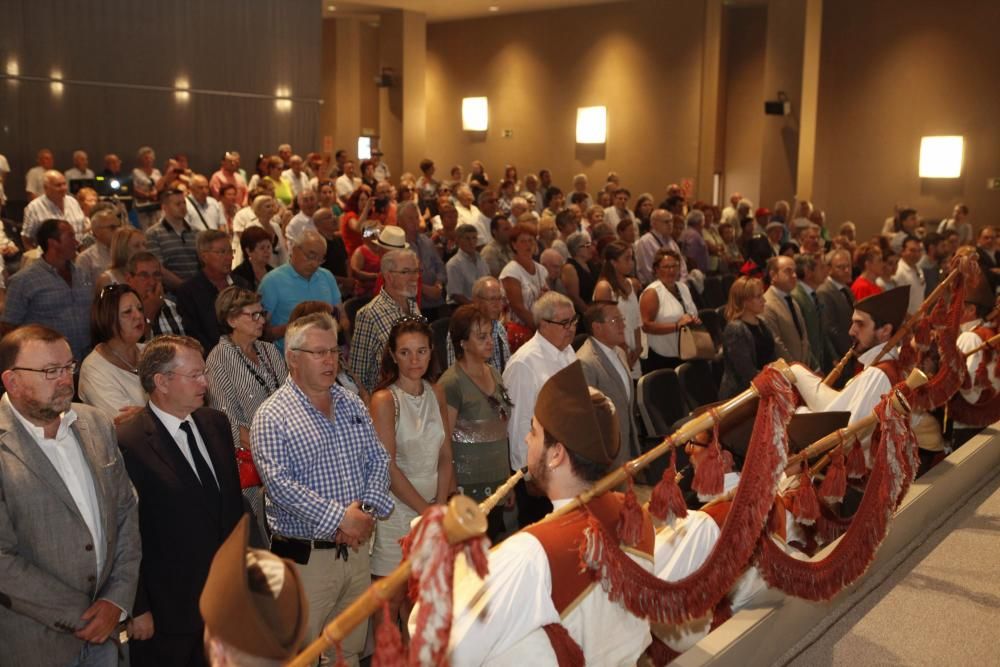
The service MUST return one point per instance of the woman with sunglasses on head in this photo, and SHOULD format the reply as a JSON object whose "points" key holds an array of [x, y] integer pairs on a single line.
{"points": [[242, 370], [109, 376], [409, 418], [616, 284], [478, 407], [665, 306]]}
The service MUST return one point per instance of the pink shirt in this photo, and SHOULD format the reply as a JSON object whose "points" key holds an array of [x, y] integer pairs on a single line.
{"points": [[221, 178]]}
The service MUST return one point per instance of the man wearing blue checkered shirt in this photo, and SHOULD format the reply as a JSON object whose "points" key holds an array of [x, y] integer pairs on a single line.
{"points": [[325, 473]]}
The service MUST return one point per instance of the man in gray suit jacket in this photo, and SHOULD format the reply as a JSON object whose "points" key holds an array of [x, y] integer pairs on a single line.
{"points": [[604, 367], [837, 300], [69, 532], [783, 316]]}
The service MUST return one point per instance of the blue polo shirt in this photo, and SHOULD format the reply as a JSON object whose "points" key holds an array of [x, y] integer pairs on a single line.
{"points": [[283, 288]]}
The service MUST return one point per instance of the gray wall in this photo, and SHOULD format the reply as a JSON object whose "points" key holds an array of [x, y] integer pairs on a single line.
{"points": [[232, 46]]}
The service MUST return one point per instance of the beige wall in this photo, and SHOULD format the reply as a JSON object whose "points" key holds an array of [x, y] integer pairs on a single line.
{"points": [[642, 60], [890, 73]]}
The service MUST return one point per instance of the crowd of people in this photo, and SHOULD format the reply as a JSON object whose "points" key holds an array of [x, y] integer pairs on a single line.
{"points": [[335, 350]]}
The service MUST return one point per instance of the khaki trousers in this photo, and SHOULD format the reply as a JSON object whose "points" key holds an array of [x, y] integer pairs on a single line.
{"points": [[331, 585]]}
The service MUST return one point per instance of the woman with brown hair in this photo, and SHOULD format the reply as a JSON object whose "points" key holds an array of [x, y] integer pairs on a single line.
{"points": [[665, 307], [352, 222], [615, 284], [747, 343], [523, 281]]}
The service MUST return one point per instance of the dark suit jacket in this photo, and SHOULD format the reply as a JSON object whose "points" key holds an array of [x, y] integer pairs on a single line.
{"points": [[48, 568], [196, 304], [838, 308], [986, 263], [180, 529], [816, 328], [601, 375]]}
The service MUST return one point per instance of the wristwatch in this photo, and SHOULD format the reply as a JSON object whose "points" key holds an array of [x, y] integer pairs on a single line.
{"points": [[368, 509]]}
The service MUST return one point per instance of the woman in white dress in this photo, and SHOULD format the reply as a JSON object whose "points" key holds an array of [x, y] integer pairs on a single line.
{"points": [[523, 281], [616, 284], [665, 307], [109, 376], [409, 417]]}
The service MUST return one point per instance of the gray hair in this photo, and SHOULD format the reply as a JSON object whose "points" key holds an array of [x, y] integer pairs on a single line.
{"points": [[142, 151], [160, 357], [577, 240], [547, 304], [579, 178], [307, 236], [695, 217], [745, 205], [259, 201], [406, 207], [79, 153], [483, 282], [208, 237], [305, 193], [466, 228], [462, 187], [296, 332], [392, 259]]}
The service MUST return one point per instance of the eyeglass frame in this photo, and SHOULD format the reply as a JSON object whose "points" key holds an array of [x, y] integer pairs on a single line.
{"points": [[320, 355], [59, 371], [565, 324]]}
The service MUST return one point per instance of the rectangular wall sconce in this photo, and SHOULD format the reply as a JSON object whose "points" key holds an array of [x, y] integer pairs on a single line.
{"points": [[364, 148], [283, 102], [475, 114], [591, 125], [182, 89], [941, 157]]}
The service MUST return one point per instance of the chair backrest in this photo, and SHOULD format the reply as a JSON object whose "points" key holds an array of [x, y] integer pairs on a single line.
{"points": [[727, 284], [660, 403], [697, 384], [713, 296], [713, 323], [578, 341], [353, 305], [439, 334]]}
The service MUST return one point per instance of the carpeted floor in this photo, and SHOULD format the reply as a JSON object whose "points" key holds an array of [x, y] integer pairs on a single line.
{"points": [[941, 606]]}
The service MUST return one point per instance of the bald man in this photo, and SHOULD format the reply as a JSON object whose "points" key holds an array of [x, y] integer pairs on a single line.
{"points": [[53, 204], [203, 212]]}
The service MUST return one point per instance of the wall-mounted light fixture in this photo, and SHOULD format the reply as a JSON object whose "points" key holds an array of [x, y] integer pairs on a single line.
{"points": [[182, 89], [475, 114], [56, 84], [364, 148], [13, 69], [941, 157], [283, 103], [592, 125]]}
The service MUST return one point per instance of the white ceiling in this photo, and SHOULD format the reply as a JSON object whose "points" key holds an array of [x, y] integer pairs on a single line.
{"points": [[449, 10]]}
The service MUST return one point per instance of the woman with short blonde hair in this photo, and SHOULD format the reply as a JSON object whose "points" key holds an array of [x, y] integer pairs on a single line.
{"points": [[747, 343]]}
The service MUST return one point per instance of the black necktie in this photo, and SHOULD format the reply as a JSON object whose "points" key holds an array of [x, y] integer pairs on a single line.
{"points": [[200, 464], [795, 318], [848, 295]]}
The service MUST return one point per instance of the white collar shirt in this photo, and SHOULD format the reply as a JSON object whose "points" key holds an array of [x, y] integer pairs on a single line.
{"points": [[173, 426], [205, 216], [914, 277]]}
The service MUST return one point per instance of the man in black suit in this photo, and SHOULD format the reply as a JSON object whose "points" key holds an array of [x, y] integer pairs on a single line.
{"points": [[986, 250], [196, 297], [179, 455]]}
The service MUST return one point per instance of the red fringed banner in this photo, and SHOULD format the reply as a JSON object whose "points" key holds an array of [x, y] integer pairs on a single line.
{"points": [[709, 477], [433, 563], [388, 642], [855, 464], [951, 369], [644, 594], [803, 502], [850, 558], [978, 415], [834, 484], [667, 501], [630, 522]]}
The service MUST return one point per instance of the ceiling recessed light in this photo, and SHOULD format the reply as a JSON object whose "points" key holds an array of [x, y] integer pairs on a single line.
{"points": [[494, 8]]}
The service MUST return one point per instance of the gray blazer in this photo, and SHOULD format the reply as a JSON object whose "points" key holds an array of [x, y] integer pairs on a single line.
{"points": [[788, 344], [838, 308], [601, 375], [48, 568]]}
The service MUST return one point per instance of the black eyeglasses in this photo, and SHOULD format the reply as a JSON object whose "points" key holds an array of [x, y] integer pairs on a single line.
{"points": [[565, 324], [256, 316], [51, 373]]}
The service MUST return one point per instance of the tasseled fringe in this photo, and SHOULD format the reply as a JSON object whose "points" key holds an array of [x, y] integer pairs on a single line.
{"points": [[834, 484], [776, 518], [728, 464], [952, 370], [667, 501], [341, 660], [829, 525], [709, 478], [980, 414], [630, 520], [660, 654], [388, 642], [855, 465], [568, 652], [805, 505]]}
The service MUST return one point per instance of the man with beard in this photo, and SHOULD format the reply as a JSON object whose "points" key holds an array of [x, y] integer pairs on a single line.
{"points": [[401, 280], [179, 455], [536, 603], [69, 531]]}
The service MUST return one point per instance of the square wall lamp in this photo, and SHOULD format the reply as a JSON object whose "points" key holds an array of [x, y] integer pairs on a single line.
{"points": [[591, 125], [941, 157], [475, 114]]}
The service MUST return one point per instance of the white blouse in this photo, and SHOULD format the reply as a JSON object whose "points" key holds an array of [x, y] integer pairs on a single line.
{"points": [[532, 286], [671, 310]]}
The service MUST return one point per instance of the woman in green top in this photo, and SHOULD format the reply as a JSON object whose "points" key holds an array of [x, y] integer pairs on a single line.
{"points": [[478, 409], [282, 188]]}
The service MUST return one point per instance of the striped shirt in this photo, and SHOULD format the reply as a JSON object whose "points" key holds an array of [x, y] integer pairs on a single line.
{"points": [[371, 331], [313, 465], [237, 386], [176, 251], [167, 322]]}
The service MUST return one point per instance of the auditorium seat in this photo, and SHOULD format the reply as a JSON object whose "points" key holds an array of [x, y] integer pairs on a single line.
{"points": [[697, 383], [578, 341], [353, 305], [727, 284], [439, 336], [660, 403], [713, 296], [713, 323]]}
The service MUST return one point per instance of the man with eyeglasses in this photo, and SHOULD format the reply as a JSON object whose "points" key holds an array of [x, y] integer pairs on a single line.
{"points": [[401, 280], [142, 273], [179, 455], [303, 278], [53, 291], [196, 297], [325, 473], [104, 222], [68, 524], [543, 355], [606, 368]]}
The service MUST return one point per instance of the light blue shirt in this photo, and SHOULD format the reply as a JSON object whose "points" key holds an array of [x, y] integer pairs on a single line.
{"points": [[284, 288]]}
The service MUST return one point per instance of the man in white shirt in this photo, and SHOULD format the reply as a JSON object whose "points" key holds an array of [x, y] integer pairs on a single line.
{"points": [[69, 521], [488, 208], [54, 203], [34, 180], [285, 153], [908, 272], [729, 213], [545, 353], [96, 259], [81, 168], [347, 183], [381, 168], [296, 175], [658, 236], [619, 210], [580, 184], [203, 212], [303, 220], [469, 213], [4, 170]]}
